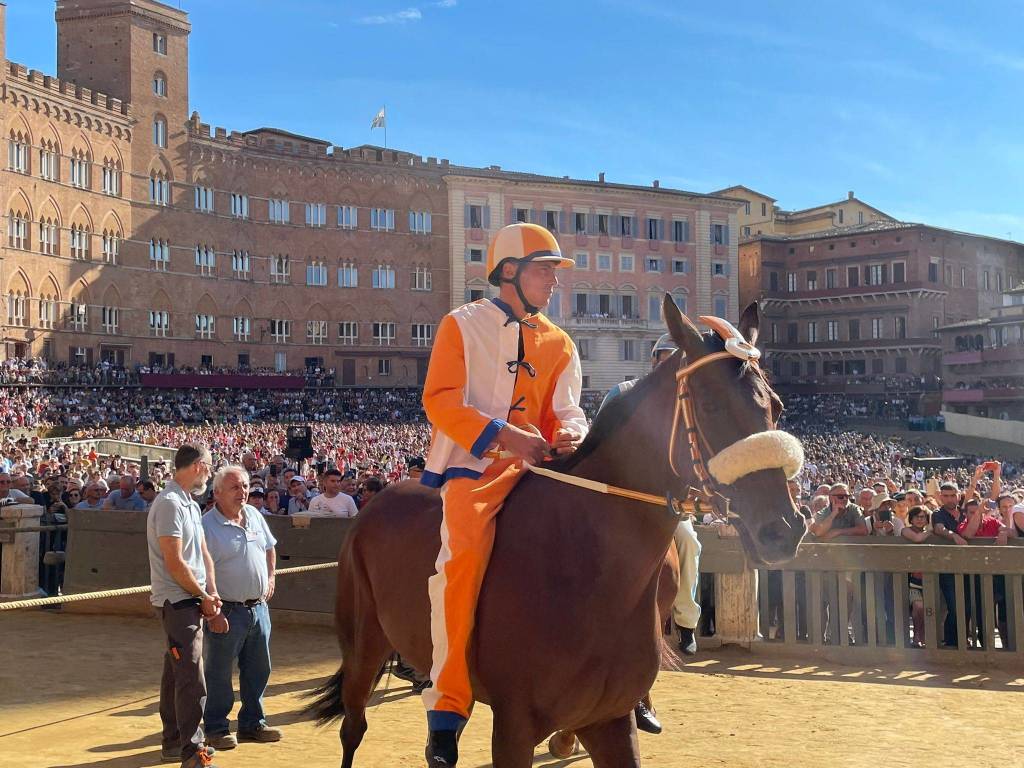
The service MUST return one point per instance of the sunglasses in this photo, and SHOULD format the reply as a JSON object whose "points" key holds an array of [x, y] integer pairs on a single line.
{"points": [[840, 495]]}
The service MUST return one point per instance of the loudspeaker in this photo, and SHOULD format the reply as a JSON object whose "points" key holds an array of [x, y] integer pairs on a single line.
{"points": [[300, 443]]}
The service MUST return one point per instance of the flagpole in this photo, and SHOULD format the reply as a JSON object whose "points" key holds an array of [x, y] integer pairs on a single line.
{"points": [[385, 126]]}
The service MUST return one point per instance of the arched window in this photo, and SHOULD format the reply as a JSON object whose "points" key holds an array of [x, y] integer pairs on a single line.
{"points": [[18, 145], [159, 84], [160, 131]]}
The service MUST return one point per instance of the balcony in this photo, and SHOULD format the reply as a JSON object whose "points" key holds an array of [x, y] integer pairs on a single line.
{"points": [[865, 294], [962, 358], [1010, 353], [978, 395], [603, 321]]}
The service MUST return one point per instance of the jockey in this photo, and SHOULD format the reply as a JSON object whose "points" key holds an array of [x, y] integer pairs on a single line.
{"points": [[685, 608], [502, 389]]}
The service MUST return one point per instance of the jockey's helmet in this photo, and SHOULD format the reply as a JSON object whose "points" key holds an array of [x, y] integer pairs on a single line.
{"points": [[522, 243], [665, 343]]}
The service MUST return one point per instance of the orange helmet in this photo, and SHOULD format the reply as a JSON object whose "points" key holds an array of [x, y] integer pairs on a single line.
{"points": [[522, 243]]}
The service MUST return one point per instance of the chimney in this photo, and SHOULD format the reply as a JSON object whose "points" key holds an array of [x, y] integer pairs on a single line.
{"points": [[600, 177], [849, 195], [656, 184]]}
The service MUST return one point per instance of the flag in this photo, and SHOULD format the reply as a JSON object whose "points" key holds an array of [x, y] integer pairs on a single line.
{"points": [[378, 121]]}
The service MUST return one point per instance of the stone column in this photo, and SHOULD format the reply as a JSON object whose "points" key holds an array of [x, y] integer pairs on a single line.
{"points": [[19, 565]]}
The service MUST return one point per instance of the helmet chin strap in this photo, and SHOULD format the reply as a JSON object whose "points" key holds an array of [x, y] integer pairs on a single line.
{"points": [[530, 309]]}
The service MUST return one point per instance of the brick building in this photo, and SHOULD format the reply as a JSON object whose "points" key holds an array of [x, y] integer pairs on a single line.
{"points": [[864, 302], [631, 245], [136, 234]]}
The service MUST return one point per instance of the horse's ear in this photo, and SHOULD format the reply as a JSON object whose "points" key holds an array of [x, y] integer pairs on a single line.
{"points": [[750, 322], [682, 330]]}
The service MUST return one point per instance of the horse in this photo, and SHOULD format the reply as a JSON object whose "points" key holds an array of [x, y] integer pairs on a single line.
{"points": [[568, 635]]}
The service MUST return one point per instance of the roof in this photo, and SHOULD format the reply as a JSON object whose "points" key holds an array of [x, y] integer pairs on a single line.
{"points": [[745, 189], [880, 226], [803, 211], [498, 173], [287, 135], [976, 323]]}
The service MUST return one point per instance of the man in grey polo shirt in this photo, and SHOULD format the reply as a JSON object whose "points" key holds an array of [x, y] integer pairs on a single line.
{"points": [[183, 589], [242, 549]]}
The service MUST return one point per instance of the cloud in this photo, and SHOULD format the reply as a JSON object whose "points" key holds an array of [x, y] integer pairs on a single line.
{"points": [[398, 17], [445, 3]]}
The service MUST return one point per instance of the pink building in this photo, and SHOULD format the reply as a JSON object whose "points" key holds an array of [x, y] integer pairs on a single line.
{"points": [[631, 244]]}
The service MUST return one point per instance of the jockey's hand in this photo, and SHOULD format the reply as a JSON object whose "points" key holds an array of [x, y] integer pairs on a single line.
{"points": [[523, 444], [566, 441]]}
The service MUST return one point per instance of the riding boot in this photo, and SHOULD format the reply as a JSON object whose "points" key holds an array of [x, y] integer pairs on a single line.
{"points": [[442, 748], [687, 642], [645, 719]]}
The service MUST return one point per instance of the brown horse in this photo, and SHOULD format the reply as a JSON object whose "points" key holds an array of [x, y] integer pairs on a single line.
{"points": [[567, 634]]}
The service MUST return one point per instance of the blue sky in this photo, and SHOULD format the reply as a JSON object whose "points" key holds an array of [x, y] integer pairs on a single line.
{"points": [[915, 107]]}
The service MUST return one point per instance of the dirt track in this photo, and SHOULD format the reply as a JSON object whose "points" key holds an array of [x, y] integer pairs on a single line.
{"points": [[80, 691]]}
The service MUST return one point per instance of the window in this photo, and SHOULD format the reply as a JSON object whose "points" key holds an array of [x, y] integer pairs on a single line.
{"points": [[280, 362], [604, 262], [422, 334], [384, 334], [746, 231], [654, 308], [49, 164], [831, 279], [48, 237], [419, 222], [720, 305], [853, 327], [900, 365], [79, 242], [625, 262], [626, 225], [682, 267], [764, 209], [316, 332], [159, 85], [602, 223], [47, 312], [241, 327], [773, 281], [876, 327], [384, 367], [583, 347], [159, 254], [204, 326], [278, 211], [474, 218], [984, 281], [240, 265], [17, 309], [239, 205], [874, 274], [775, 333], [110, 246], [630, 350], [159, 190], [280, 268], [792, 333], [383, 277], [17, 231], [933, 272], [476, 256], [206, 259], [580, 223], [963, 277], [108, 319], [316, 214], [17, 153], [316, 273], [382, 219], [655, 229], [159, 44], [551, 220], [681, 231], [111, 178], [746, 208], [791, 282], [999, 281], [520, 215], [582, 260], [852, 277], [832, 330], [79, 166], [812, 280], [719, 234], [899, 272], [422, 278], [652, 264], [348, 275], [348, 332], [78, 314], [840, 215], [475, 294], [348, 216], [900, 327], [204, 199], [812, 368], [719, 269], [160, 132], [794, 368], [280, 330], [812, 332]]}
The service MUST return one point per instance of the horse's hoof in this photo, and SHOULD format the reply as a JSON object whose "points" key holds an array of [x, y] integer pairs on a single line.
{"points": [[563, 744]]}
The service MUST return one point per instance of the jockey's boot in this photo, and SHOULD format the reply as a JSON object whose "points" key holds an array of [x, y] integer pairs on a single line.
{"points": [[687, 642], [645, 719], [442, 749]]}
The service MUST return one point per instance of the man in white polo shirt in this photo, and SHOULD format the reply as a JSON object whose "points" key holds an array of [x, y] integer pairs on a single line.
{"points": [[332, 502]]}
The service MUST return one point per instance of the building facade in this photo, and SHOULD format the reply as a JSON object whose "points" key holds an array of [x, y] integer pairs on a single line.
{"points": [[139, 235], [631, 244], [983, 362], [865, 302]]}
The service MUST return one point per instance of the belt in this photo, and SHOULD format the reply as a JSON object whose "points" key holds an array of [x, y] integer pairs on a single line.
{"points": [[245, 603]]}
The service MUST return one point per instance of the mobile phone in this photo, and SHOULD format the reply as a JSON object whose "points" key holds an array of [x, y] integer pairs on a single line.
{"points": [[990, 466], [885, 515]]}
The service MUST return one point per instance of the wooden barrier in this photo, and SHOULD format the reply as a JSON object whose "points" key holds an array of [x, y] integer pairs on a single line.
{"points": [[19, 553]]}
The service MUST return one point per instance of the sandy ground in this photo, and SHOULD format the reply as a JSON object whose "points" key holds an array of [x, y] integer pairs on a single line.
{"points": [[80, 691]]}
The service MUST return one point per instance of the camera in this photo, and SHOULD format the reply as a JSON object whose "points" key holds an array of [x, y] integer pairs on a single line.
{"points": [[885, 515]]}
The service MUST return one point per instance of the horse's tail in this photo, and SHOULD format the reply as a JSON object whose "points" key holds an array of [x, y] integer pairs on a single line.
{"points": [[327, 705]]}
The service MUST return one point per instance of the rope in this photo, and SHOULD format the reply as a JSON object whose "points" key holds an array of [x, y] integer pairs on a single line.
{"points": [[42, 602]]}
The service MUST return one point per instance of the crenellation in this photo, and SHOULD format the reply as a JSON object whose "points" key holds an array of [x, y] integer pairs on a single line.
{"points": [[88, 97]]}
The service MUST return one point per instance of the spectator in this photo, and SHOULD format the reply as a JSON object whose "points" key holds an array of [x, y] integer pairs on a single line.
{"points": [[841, 518], [945, 524], [257, 500], [333, 502], [126, 497], [93, 500], [370, 488], [273, 503], [7, 491], [916, 532], [298, 500], [147, 492]]}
